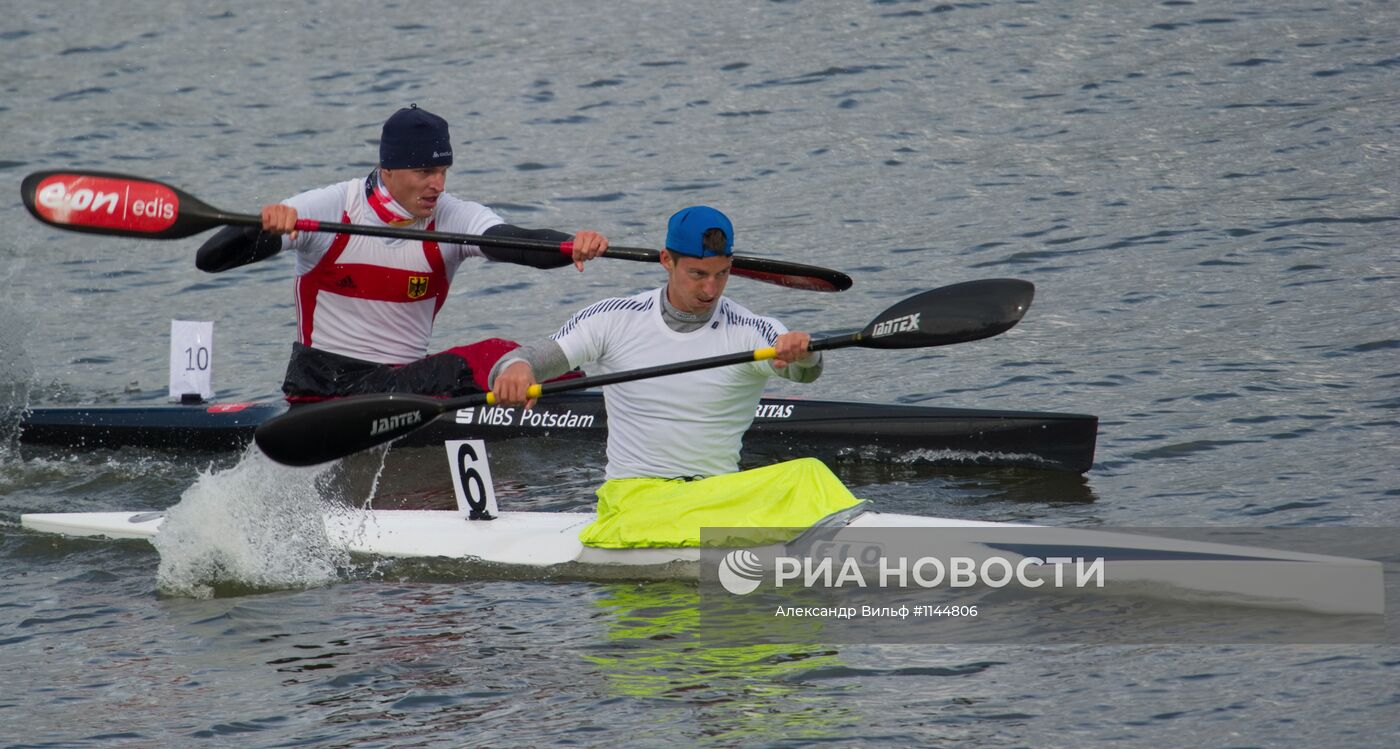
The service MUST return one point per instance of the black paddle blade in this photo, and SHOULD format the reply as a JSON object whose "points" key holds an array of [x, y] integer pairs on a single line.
{"points": [[958, 313], [114, 204], [320, 432]]}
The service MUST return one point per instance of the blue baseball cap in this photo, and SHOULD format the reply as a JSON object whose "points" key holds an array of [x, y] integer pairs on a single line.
{"points": [[414, 138], [685, 232]]}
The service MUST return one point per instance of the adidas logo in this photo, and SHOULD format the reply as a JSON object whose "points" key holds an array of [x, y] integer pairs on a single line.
{"points": [[346, 283]]}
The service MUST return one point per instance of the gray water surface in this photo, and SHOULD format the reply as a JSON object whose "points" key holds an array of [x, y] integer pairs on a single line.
{"points": [[1204, 194]]}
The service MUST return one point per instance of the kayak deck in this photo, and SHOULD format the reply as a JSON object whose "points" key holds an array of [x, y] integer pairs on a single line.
{"points": [[546, 543], [783, 428]]}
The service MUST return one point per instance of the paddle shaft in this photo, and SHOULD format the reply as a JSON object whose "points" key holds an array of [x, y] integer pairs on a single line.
{"points": [[320, 432], [660, 370], [392, 232], [780, 272], [123, 205]]}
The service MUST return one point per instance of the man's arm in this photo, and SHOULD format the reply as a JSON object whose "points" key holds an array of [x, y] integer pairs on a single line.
{"points": [[233, 246], [803, 371], [541, 361], [587, 245], [794, 361]]}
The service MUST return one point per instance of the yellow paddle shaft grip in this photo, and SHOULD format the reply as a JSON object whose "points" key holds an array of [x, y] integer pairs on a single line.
{"points": [[764, 354], [534, 392]]}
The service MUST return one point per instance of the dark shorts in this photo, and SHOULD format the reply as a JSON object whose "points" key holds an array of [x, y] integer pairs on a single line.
{"points": [[313, 374]]}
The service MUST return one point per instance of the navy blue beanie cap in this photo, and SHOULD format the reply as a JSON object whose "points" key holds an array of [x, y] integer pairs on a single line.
{"points": [[414, 138]]}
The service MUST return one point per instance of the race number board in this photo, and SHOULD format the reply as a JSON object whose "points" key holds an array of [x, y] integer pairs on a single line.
{"points": [[471, 478]]}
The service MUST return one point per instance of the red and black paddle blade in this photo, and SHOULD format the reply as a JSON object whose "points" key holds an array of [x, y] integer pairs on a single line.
{"points": [[117, 205], [791, 275]]}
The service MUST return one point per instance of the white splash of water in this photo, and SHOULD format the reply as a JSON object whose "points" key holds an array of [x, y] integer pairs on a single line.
{"points": [[16, 373], [255, 526]]}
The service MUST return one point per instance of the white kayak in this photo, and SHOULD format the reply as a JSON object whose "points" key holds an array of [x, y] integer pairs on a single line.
{"points": [[1172, 568]]}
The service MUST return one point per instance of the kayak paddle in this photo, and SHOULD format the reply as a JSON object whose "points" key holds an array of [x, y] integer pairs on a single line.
{"points": [[126, 206], [319, 432]]}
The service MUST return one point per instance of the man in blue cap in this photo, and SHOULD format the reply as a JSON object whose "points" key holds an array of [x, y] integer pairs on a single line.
{"points": [[684, 426], [366, 305]]}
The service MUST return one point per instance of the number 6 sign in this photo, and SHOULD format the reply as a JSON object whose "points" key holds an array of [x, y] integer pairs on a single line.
{"points": [[471, 479]]}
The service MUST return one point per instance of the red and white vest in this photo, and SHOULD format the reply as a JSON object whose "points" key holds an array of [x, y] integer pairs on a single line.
{"points": [[375, 299]]}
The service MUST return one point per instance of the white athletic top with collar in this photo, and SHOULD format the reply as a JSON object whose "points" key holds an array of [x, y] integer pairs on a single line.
{"points": [[373, 298], [661, 427]]}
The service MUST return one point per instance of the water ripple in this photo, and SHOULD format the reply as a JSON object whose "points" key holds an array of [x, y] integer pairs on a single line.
{"points": [[1202, 192], [80, 94]]}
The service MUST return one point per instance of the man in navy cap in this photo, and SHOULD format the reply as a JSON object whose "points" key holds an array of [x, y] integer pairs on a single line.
{"points": [[687, 426], [366, 305]]}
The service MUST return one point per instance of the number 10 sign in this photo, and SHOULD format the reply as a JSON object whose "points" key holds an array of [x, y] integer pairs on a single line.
{"points": [[191, 360]]}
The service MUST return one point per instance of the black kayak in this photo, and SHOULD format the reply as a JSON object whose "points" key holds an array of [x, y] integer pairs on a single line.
{"points": [[783, 428]]}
